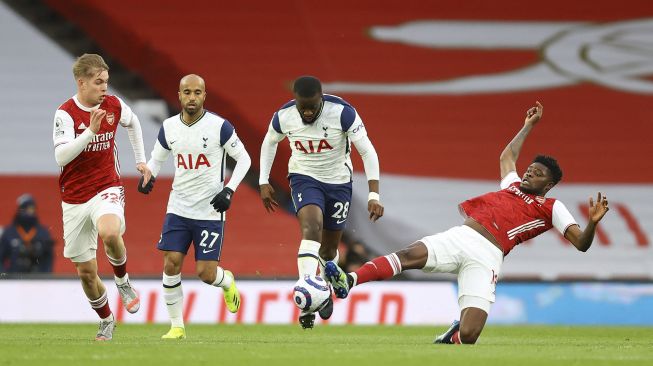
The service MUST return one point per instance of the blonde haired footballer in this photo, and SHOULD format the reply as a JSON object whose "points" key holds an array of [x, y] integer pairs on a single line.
{"points": [[90, 185]]}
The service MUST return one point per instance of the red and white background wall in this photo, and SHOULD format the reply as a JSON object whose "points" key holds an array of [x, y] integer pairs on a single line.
{"points": [[441, 86], [387, 303]]}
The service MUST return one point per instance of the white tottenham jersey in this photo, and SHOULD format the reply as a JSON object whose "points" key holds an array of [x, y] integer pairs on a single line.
{"points": [[321, 149], [199, 156]]}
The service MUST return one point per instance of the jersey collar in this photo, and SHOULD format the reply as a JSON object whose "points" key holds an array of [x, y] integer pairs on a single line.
{"points": [[82, 107], [195, 121]]}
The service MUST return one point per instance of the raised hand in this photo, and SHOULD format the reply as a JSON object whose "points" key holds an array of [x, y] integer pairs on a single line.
{"points": [[534, 114], [599, 209], [96, 119], [267, 195]]}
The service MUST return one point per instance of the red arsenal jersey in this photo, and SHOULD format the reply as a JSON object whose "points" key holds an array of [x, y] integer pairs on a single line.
{"points": [[96, 168], [512, 216]]}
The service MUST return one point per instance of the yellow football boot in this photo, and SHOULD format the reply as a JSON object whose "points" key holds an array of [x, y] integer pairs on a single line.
{"points": [[231, 296], [175, 333]]}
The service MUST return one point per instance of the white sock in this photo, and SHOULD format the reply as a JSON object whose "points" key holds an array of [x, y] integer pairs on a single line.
{"points": [[221, 279], [308, 257], [118, 261], [395, 263], [173, 295], [354, 276], [99, 303], [121, 281], [322, 266]]}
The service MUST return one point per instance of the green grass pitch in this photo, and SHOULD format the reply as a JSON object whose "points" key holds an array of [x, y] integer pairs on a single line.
{"points": [[72, 344]]}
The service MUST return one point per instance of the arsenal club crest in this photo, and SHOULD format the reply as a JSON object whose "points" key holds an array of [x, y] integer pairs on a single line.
{"points": [[540, 199], [110, 118]]}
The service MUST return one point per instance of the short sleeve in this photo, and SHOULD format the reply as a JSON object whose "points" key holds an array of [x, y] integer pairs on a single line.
{"points": [[509, 179], [274, 130], [275, 123], [562, 218], [63, 129], [125, 114], [162, 138], [226, 131], [347, 117]]}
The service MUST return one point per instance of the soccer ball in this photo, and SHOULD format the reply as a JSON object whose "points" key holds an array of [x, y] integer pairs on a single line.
{"points": [[311, 293]]}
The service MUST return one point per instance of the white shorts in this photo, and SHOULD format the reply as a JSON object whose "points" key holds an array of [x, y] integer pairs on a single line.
{"points": [[476, 260], [80, 231]]}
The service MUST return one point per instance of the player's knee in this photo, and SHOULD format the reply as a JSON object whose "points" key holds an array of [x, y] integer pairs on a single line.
{"points": [[469, 334], [414, 256], [171, 268], [312, 231], [110, 237], [206, 275], [87, 277]]}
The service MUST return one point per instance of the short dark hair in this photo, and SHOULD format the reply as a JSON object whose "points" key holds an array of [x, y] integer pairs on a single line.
{"points": [[552, 164], [307, 86]]}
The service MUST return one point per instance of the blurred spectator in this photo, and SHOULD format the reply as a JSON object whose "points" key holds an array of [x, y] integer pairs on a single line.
{"points": [[356, 254], [25, 245]]}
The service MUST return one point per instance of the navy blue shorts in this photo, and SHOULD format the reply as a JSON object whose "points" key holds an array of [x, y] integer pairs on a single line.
{"points": [[207, 235], [333, 199]]}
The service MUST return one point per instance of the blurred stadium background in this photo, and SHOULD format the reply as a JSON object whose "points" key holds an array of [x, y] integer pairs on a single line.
{"points": [[442, 88]]}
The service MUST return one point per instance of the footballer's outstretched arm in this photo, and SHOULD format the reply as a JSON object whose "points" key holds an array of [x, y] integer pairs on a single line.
{"points": [[582, 239], [130, 122], [135, 134], [159, 155], [510, 154], [235, 148], [372, 172], [268, 152]]}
